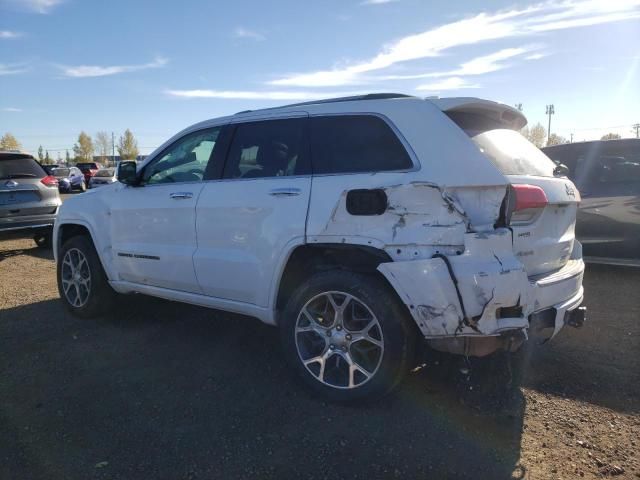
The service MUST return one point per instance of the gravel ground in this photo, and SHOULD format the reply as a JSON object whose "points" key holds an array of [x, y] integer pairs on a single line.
{"points": [[163, 390]]}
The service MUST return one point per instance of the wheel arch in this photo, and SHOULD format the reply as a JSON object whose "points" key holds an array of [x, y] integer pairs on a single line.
{"points": [[306, 259], [65, 231]]}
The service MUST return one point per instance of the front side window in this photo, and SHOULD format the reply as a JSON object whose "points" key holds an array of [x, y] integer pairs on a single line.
{"points": [[185, 160], [270, 148], [355, 143]]}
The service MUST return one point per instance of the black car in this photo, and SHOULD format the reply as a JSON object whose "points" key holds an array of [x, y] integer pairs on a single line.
{"points": [[607, 173]]}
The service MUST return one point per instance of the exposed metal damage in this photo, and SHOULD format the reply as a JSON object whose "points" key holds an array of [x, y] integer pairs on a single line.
{"points": [[456, 272]]}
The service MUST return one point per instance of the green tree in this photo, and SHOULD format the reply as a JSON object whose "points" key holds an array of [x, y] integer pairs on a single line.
{"points": [[128, 146], [40, 154], [9, 142], [84, 148], [67, 157], [611, 136], [555, 139], [47, 159]]}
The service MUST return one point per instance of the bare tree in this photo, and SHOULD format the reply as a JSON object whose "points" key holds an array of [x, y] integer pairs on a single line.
{"points": [[537, 135], [611, 136], [128, 146], [103, 145], [9, 142], [555, 139]]}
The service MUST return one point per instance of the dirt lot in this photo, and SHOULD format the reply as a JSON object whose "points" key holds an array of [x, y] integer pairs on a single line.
{"points": [[163, 390]]}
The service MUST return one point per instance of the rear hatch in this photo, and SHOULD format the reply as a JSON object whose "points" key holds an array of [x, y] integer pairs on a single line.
{"points": [[25, 187], [540, 208]]}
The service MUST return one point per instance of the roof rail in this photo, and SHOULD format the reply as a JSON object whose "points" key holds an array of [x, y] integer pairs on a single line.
{"points": [[368, 96]]}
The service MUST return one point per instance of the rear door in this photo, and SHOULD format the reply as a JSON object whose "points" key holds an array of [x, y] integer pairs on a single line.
{"points": [[22, 192], [252, 217]]}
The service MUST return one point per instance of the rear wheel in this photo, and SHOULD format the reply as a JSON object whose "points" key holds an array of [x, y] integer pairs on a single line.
{"points": [[83, 186], [347, 336], [82, 282]]}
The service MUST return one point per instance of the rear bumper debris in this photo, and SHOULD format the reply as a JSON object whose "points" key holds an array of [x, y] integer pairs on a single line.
{"points": [[485, 291]]}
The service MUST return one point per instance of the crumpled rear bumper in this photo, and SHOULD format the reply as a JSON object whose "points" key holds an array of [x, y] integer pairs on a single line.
{"points": [[485, 291]]}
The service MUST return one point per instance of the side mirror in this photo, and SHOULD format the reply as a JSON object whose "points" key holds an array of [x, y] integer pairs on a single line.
{"points": [[127, 173], [561, 170]]}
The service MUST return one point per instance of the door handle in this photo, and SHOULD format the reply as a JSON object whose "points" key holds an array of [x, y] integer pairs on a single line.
{"points": [[181, 195], [285, 192]]}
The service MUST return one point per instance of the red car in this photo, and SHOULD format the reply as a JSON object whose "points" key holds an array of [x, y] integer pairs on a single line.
{"points": [[88, 169]]}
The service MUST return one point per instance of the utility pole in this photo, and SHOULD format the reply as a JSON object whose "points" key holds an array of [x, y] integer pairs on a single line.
{"points": [[636, 127], [571, 141], [113, 149], [550, 111]]}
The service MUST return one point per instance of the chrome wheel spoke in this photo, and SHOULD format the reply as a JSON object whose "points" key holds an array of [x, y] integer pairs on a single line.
{"points": [[76, 273], [348, 352]]}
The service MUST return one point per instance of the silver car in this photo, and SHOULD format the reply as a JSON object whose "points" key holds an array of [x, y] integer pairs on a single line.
{"points": [[104, 176], [29, 198]]}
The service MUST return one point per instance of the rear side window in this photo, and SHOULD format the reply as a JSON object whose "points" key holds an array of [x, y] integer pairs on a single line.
{"points": [[355, 143], [269, 148], [20, 167], [512, 154], [616, 170]]}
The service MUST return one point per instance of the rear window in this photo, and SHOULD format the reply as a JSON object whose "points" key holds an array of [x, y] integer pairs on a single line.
{"points": [[355, 143], [61, 172], [20, 167], [107, 172], [511, 153]]}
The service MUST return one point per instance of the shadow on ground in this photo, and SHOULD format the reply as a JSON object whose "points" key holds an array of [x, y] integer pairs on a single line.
{"points": [[163, 390]]}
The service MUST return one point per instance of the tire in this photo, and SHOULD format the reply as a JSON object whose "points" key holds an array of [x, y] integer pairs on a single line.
{"points": [[83, 186], [99, 297], [43, 239], [366, 299]]}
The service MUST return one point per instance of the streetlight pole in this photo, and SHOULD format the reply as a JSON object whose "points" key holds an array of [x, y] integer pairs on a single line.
{"points": [[550, 111]]}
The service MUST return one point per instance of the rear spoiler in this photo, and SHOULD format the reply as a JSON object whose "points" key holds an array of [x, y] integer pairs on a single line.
{"points": [[503, 114]]}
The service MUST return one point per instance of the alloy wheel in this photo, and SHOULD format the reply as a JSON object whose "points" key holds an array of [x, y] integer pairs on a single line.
{"points": [[76, 277], [339, 340]]}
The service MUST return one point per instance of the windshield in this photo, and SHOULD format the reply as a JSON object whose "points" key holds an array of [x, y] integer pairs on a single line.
{"points": [[24, 167], [61, 172], [107, 172], [512, 153]]}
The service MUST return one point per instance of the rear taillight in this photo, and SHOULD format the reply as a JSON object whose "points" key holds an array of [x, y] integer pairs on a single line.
{"points": [[526, 203], [49, 181], [529, 196]]}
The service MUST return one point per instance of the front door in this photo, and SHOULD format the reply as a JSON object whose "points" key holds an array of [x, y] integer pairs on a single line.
{"points": [[247, 221], [153, 225]]}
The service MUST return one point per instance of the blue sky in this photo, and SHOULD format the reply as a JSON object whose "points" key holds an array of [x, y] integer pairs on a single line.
{"points": [[157, 66]]}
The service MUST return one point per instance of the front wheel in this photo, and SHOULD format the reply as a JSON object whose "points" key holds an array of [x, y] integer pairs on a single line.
{"points": [[348, 336], [82, 282], [83, 186]]}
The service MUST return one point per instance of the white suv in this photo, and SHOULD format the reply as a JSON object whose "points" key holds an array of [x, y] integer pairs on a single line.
{"points": [[356, 225]]}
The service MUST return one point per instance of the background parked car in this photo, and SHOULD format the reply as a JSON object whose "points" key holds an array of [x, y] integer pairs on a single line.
{"points": [[49, 168], [89, 169], [69, 179], [105, 176], [29, 198], [607, 173]]}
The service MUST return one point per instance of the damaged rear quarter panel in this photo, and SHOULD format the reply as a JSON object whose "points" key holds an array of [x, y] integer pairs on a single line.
{"points": [[489, 277], [421, 218]]}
